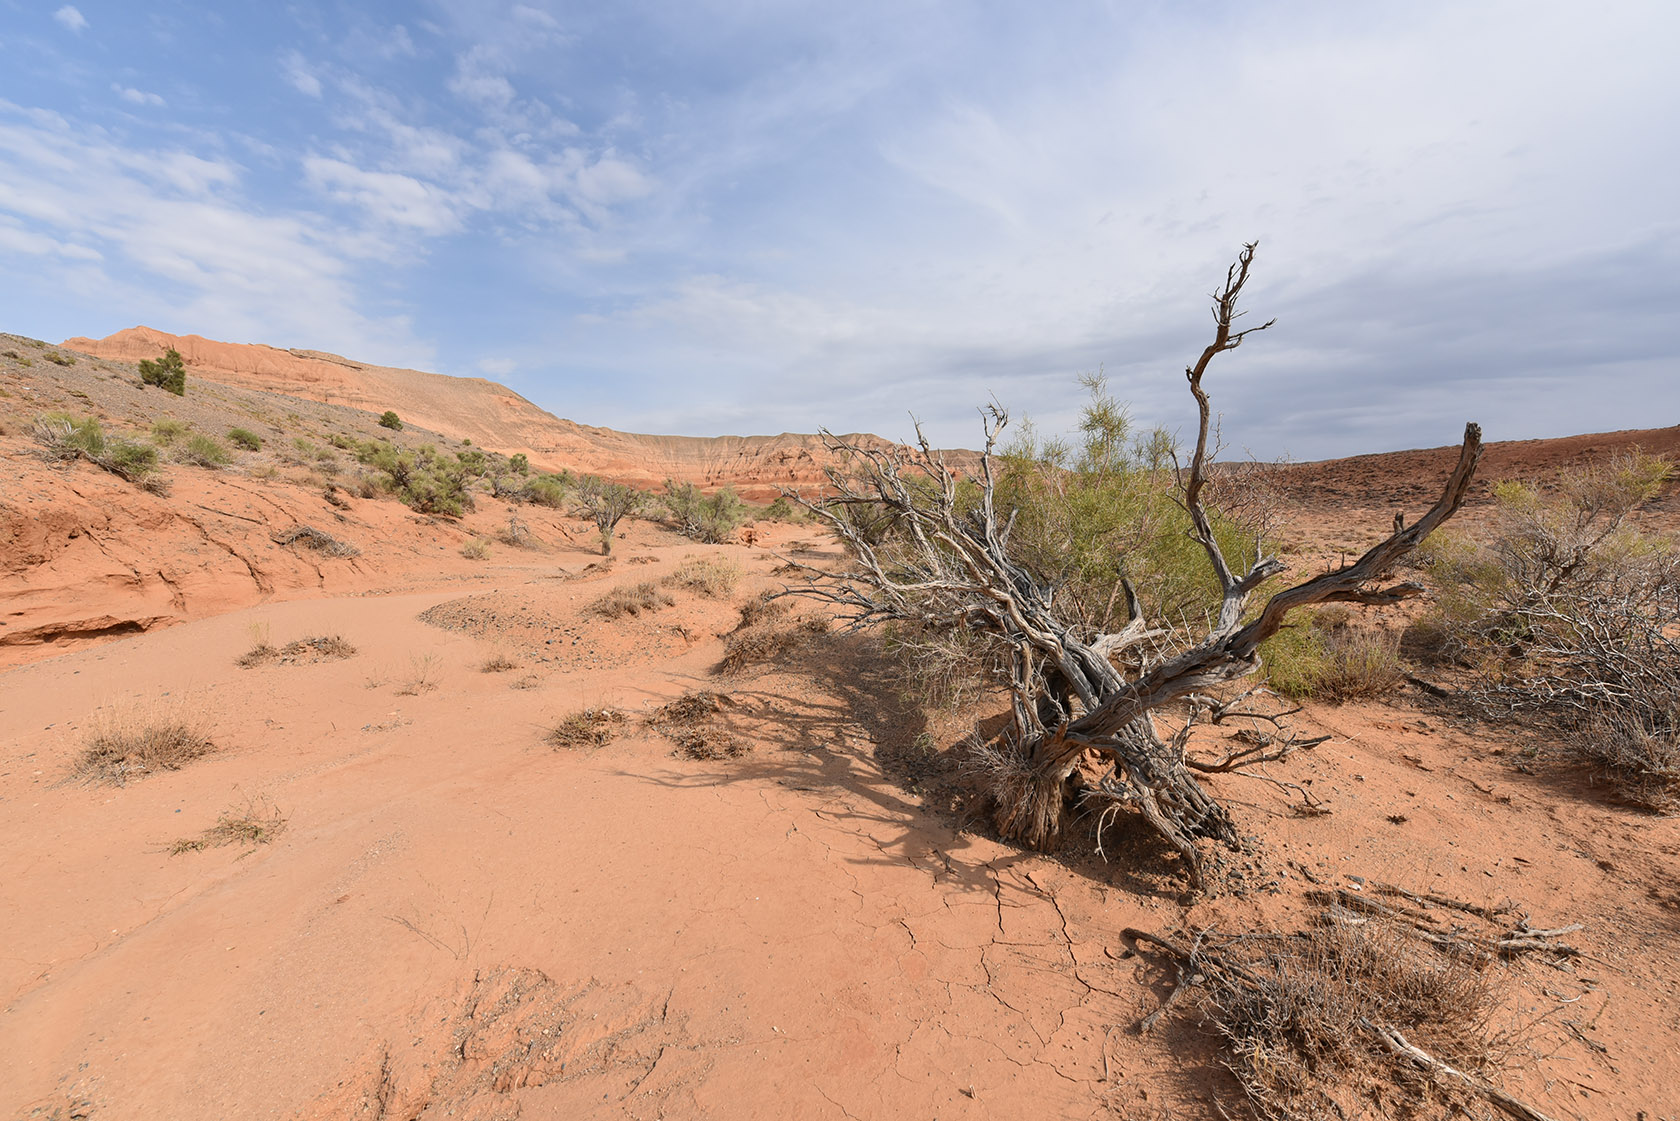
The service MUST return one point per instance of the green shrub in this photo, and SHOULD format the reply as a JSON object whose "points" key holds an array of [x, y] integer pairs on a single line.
{"points": [[783, 510], [547, 490], [389, 419], [58, 359], [167, 373], [166, 430], [1326, 657], [421, 479], [244, 438], [705, 518], [203, 451]]}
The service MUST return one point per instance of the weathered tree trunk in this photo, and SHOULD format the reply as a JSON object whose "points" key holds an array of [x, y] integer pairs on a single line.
{"points": [[948, 564]]}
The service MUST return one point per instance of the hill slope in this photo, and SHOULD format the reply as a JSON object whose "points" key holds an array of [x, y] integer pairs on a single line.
{"points": [[491, 415]]}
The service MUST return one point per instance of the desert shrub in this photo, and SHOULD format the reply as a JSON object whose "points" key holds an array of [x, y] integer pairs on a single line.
{"points": [[606, 504], [319, 540], [389, 419], [709, 519], [631, 599], [590, 727], [1298, 1021], [1096, 515], [244, 438], [166, 430], [423, 675], [203, 451], [342, 441], [519, 464], [692, 722], [1326, 657], [127, 744], [712, 577], [1642, 762], [64, 438], [544, 490], [423, 480], [302, 652], [476, 549], [497, 662], [1568, 614], [58, 359], [168, 373], [782, 510], [516, 534], [255, 823]]}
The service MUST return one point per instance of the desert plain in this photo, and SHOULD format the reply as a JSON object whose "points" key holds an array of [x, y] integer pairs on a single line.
{"points": [[467, 840]]}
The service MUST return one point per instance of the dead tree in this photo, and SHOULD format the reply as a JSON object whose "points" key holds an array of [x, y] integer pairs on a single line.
{"points": [[1076, 696]]}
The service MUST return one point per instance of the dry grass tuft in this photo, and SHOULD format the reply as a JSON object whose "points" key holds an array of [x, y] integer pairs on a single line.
{"points": [[763, 609], [316, 539], [765, 634], [304, 651], [477, 549], [712, 577], [590, 727], [127, 743], [632, 600], [422, 676], [255, 823], [692, 723], [1644, 765], [1300, 1016], [498, 662]]}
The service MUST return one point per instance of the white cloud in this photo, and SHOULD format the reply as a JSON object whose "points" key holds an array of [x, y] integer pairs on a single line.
{"points": [[611, 180], [138, 97], [498, 367], [71, 18], [148, 236], [386, 197], [298, 74], [479, 78]]}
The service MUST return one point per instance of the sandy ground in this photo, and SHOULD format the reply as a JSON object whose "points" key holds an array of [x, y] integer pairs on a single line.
{"points": [[460, 917]]}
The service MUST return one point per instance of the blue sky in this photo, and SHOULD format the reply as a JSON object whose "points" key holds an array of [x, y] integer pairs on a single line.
{"points": [[761, 216]]}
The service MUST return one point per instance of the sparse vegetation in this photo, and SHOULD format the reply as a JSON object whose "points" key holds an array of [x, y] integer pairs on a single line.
{"points": [[389, 419], [712, 577], [692, 723], [590, 727], [1570, 615], [423, 675], [606, 504], [304, 651], [498, 662], [1327, 657], [516, 534], [130, 742], [1104, 585], [168, 373], [245, 438], [317, 539], [476, 549], [425, 480], [200, 450], [631, 600], [166, 430], [257, 822], [65, 439], [58, 359], [709, 519]]}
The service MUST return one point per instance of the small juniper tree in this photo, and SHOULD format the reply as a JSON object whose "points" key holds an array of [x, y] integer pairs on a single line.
{"points": [[390, 419], [607, 504], [167, 373]]}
